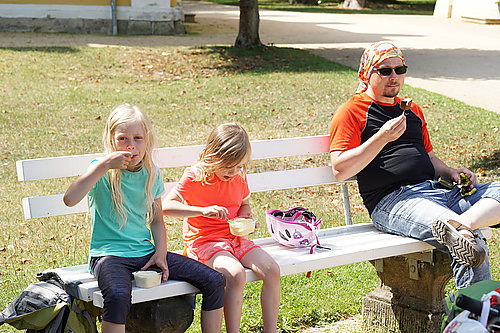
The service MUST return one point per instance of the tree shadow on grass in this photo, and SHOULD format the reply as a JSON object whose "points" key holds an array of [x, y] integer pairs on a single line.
{"points": [[224, 59], [272, 59]]}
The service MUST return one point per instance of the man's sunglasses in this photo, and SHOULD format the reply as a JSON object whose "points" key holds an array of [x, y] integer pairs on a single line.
{"points": [[386, 71]]}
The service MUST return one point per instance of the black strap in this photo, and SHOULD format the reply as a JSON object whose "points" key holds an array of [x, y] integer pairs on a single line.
{"points": [[85, 314]]}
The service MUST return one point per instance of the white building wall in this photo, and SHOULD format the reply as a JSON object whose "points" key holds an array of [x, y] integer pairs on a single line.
{"points": [[143, 10], [142, 17], [459, 8]]}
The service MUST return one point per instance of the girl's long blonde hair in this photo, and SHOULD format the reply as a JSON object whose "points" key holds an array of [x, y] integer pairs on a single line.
{"points": [[227, 146], [122, 115]]}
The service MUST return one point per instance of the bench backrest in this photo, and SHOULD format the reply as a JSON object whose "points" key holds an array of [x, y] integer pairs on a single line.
{"points": [[70, 166]]}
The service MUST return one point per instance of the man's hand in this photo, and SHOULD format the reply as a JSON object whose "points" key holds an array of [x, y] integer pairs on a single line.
{"points": [[348, 163], [393, 129], [455, 175]]}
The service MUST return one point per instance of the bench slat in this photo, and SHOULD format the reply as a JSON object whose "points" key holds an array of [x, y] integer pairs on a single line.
{"points": [[290, 147], [348, 244], [53, 167], [261, 149], [176, 156], [166, 289], [52, 205], [277, 180], [70, 166]]}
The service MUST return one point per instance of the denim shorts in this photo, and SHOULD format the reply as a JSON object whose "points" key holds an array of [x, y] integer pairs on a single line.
{"points": [[114, 277], [411, 210]]}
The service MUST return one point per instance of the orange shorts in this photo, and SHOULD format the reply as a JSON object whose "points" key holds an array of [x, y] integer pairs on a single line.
{"points": [[237, 246]]}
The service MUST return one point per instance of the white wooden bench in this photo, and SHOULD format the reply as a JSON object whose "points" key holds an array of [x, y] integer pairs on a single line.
{"points": [[349, 243]]}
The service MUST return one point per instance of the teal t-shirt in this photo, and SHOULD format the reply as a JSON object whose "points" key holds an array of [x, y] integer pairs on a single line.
{"points": [[109, 237]]}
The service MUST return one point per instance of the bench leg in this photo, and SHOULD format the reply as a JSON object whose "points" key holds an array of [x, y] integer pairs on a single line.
{"points": [[404, 304], [170, 315]]}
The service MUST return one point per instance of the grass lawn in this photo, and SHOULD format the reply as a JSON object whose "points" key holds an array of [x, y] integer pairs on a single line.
{"points": [[54, 102]]}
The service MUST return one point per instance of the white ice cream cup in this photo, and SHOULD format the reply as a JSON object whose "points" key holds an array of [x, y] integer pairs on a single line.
{"points": [[242, 226], [147, 279]]}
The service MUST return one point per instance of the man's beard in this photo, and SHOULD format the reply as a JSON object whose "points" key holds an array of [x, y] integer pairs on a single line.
{"points": [[390, 93]]}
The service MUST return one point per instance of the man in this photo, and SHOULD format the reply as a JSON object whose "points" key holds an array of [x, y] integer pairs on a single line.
{"points": [[390, 152]]}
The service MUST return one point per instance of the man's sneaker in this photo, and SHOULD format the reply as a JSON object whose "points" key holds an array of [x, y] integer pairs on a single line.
{"points": [[460, 241]]}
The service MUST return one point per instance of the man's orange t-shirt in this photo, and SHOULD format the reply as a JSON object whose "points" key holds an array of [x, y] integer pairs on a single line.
{"points": [[404, 161], [350, 120]]}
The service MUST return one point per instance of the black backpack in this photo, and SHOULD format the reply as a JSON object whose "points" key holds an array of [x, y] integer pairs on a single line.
{"points": [[46, 307]]}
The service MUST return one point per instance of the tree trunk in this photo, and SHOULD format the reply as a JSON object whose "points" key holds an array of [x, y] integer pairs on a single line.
{"points": [[248, 36], [354, 4]]}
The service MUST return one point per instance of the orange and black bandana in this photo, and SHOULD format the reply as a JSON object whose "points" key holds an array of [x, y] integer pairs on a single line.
{"points": [[374, 55]]}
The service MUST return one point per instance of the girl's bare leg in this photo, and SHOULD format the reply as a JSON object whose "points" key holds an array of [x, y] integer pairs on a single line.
{"points": [[235, 275], [268, 270], [108, 327], [211, 321]]}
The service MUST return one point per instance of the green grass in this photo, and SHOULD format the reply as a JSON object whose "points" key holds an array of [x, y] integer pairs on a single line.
{"points": [[54, 102], [391, 7]]}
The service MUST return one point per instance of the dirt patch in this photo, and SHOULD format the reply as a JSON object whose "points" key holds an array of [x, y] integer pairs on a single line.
{"points": [[351, 325]]}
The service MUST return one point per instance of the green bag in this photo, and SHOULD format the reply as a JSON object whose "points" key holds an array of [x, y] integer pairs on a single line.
{"points": [[46, 307], [475, 291]]}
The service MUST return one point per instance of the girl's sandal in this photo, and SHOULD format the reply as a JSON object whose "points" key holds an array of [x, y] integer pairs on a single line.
{"points": [[460, 241]]}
